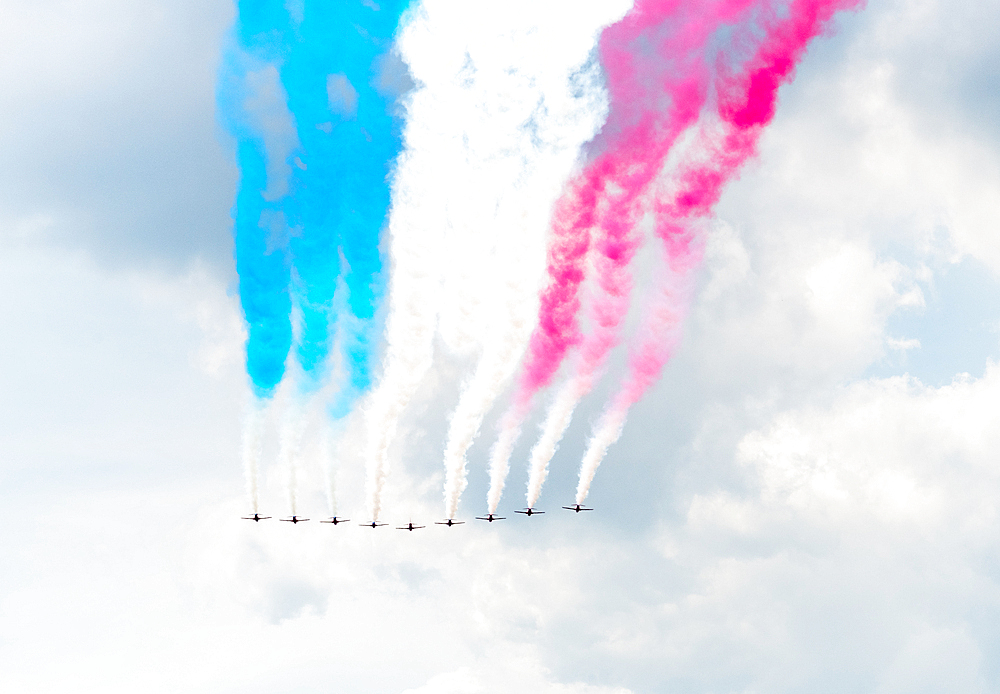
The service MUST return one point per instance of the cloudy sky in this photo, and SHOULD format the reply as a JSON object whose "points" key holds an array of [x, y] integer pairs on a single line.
{"points": [[807, 502]]}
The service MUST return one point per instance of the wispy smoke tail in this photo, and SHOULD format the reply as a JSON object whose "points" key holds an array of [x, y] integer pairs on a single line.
{"points": [[656, 342], [556, 422], [289, 453], [510, 431], [416, 249], [252, 444], [330, 453], [491, 377]]}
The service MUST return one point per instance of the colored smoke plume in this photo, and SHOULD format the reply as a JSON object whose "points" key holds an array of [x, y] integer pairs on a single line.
{"points": [[746, 103]]}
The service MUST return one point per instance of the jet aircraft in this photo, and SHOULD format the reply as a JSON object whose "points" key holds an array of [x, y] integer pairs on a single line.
{"points": [[577, 508], [294, 519], [529, 511], [335, 520], [256, 518], [490, 517], [410, 526], [373, 524], [450, 522]]}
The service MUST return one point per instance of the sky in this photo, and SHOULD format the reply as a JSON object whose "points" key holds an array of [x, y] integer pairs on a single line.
{"points": [[807, 501]]}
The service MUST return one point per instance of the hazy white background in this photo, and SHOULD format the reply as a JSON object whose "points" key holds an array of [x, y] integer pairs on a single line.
{"points": [[808, 502]]}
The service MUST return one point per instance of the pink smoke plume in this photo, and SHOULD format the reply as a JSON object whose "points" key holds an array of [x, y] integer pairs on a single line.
{"points": [[746, 103], [658, 71], [658, 75]]}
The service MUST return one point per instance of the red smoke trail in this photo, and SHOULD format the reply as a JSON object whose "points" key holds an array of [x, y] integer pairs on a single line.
{"points": [[746, 103]]}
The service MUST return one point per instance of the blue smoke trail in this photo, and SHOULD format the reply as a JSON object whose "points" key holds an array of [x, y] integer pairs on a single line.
{"points": [[308, 219], [262, 260], [342, 83]]}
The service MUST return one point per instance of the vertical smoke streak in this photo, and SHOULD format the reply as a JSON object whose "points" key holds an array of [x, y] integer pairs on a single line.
{"points": [[252, 108], [746, 104], [503, 447], [557, 421], [494, 370], [290, 450], [410, 325], [657, 69], [329, 455], [252, 442], [342, 82]]}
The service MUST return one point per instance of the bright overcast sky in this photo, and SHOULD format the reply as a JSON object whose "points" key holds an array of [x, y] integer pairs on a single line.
{"points": [[806, 502]]}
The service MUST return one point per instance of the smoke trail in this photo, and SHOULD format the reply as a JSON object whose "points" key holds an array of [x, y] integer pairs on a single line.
{"points": [[658, 76], [618, 239], [545, 158], [556, 422], [657, 339], [342, 82], [329, 454], [309, 91], [252, 439], [290, 450], [410, 325], [252, 109], [746, 103], [609, 305], [495, 368]]}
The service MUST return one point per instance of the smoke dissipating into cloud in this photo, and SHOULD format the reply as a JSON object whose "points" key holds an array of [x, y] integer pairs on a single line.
{"points": [[310, 92]]}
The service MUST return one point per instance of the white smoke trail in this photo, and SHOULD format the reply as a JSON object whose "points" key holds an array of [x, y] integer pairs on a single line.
{"points": [[289, 452], [415, 238], [409, 337], [606, 432], [493, 129], [503, 448], [252, 445], [329, 457], [540, 100], [556, 422], [492, 374]]}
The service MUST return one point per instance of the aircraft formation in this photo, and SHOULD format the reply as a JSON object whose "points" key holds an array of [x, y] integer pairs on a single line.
{"points": [[489, 517]]}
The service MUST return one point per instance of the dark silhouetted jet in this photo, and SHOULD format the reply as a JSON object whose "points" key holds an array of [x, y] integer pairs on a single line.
{"points": [[336, 520], [410, 526], [256, 518], [373, 524], [490, 517], [294, 519], [530, 512], [450, 522], [577, 508]]}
